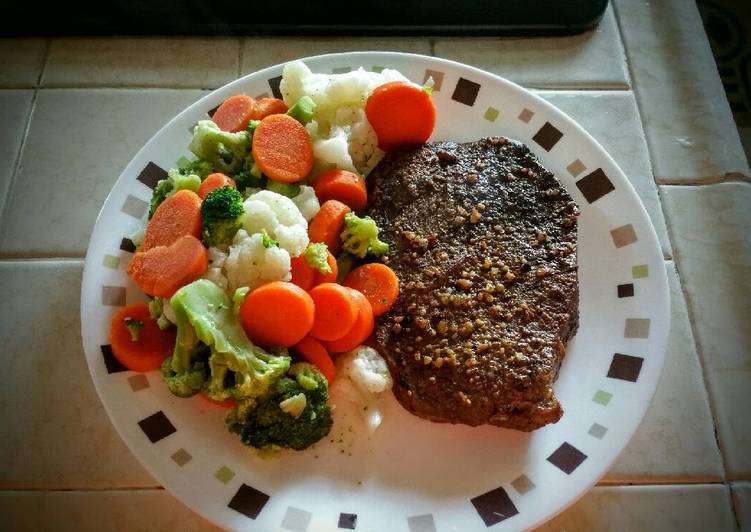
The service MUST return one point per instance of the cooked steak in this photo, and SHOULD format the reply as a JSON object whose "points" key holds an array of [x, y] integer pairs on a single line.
{"points": [[483, 240]]}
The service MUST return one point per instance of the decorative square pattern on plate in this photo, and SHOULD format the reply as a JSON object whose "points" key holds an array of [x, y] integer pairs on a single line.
{"points": [[437, 79], [601, 397], [224, 474], [248, 501], [113, 296], [567, 458], [181, 457], [547, 136], [110, 362], [522, 484], [636, 328], [626, 290], [347, 521], [597, 431], [138, 382], [595, 185], [466, 91], [151, 175], [494, 506], [625, 367], [421, 523], [296, 519], [157, 427], [623, 235]]}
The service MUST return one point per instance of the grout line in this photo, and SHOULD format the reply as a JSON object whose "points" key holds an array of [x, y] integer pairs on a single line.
{"points": [[80, 489], [57, 87], [11, 259], [729, 177], [431, 43], [733, 509], [45, 62]]}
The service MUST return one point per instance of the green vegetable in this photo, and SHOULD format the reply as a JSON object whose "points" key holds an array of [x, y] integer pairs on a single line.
{"points": [[188, 176], [134, 328], [317, 256], [250, 176], [239, 369], [226, 151], [267, 423], [221, 215], [268, 242], [156, 310], [252, 125], [238, 297], [345, 263], [285, 189], [189, 380], [360, 236], [303, 110]]}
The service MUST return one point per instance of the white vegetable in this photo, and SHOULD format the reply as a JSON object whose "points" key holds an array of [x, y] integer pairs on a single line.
{"points": [[281, 219], [295, 405], [307, 202], [215, 271], [251, 264]]}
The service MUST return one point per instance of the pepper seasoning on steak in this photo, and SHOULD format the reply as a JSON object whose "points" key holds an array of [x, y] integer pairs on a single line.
{"points": [[483, 240]]}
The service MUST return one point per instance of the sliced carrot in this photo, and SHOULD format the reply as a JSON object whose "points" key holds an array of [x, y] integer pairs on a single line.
{"points": [[177, 216], [269, 106], [336, 311], [319, 278], [327, 225], [214, 181], [342, 185], [378, 283], [227, 403], [282, 148], [400, 113], [312, 351], [162, 270], [360, 331], [303, 273], [235, 112], [150, 348], [277, 314]]}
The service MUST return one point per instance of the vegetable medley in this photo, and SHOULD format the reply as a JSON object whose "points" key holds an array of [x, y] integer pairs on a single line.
{"points": [[259, 262]]}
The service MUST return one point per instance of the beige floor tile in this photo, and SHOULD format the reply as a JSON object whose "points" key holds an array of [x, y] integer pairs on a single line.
{"points": [[21, 61], [676, 441], [101, 511], [15, 106], [591, 59], [261, 52], [61, 436], [742, 501], [78, 143], [689, 127], [200, 63], [613, 120], [709, 228], [699, 508]]}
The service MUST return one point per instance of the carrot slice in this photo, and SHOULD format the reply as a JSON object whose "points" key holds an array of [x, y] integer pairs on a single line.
{"points": [[320, 278], [400, 113], [360, 331], [312, 351], [162, 270], [270, 106], [378, 283], [214, 181], [327, 225], [227, 403], [282, 148], [149, 349], [277, 314], [235, 112], [303, 273], [177, 216], [342, 185], [336, 311]]}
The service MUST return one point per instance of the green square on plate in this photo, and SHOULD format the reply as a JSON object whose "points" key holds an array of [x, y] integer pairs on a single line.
{"points": [[491, 114], [640, 271]]}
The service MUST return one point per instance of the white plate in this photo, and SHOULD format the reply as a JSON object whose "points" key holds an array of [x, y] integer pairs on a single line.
{"points": [[412, 475]]}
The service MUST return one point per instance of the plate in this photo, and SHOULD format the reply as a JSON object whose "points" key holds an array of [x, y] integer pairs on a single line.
{"points": [[411, 475]]}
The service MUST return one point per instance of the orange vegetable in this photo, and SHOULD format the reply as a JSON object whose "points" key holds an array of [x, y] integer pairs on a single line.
{"points": [[214, 181], [327, 225], [336, 311], [269, 106], [312, 351], [162, 270], [152, 346], [277, 314], [360, 331], [282, 148], [227, 403], [235, 113], [378, 283], [177, 216], [400, 113], [319, 278], [302, 273], [344, 186]]}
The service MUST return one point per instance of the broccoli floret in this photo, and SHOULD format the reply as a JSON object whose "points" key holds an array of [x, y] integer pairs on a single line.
{"points": [[197, 167], [221, 215], [225, 151], [187, 176], [316, 254], [252, 125], [268, 242], [360, 236], [190, 381], [250, 175], [238, 298], [162, 190], [239, 369], [184, 182], [303, 110], [294, 415], [134, 328], [285, 189], [157, 312]]}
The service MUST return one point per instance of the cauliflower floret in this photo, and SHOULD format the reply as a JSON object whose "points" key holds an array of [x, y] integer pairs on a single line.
{"points": [[307, 202], [333, 149], [215, 271], [279, 217], [251, 264]]}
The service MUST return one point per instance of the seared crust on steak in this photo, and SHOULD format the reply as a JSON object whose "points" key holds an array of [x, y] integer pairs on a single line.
{"points": [[483, 240]]}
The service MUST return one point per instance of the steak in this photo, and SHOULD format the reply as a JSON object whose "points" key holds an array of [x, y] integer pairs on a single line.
{"points": [[483, 240]]}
